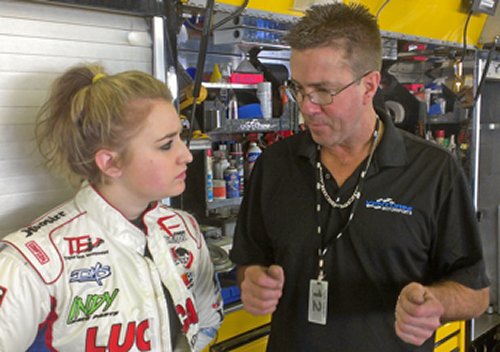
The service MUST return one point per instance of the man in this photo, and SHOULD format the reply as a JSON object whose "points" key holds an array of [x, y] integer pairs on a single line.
{"points": [[356, 235]]}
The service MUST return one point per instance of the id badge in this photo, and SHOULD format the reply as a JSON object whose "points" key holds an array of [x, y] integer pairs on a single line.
{"points": [[318, 301]]}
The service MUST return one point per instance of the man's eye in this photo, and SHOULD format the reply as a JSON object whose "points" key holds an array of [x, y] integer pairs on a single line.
{"points": [[166, 146], [323, 91]]}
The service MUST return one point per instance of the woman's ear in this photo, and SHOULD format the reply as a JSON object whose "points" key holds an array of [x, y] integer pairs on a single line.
{"points": [[107, 161]]}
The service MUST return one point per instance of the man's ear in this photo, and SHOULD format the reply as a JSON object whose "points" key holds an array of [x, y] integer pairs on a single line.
{"points": [[371, 82], [107, 161]]}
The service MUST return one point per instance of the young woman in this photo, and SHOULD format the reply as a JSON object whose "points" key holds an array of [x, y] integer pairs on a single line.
{"points": [[111, 269]]}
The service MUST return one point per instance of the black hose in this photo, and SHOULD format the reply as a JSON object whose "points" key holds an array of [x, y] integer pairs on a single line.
{"points": [[486, 67], [202, 54]]}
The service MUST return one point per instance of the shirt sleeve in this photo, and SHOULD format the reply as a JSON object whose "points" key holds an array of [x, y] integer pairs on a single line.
{"points": [[208, 298], [24, 302], [251, 244], [457, 254]]}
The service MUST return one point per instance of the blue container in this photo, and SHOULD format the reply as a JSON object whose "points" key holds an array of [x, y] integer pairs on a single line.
{"points": [[232, 182], [250, 111]]}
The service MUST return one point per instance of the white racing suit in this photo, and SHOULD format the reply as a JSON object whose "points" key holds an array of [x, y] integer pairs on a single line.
{"points": [[79, 274]]}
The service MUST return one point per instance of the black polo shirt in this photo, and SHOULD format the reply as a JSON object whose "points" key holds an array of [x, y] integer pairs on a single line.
{"points": [[414, 222]]}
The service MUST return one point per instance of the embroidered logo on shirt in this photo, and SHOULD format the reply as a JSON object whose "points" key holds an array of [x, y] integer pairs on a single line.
{"points": [[92, 306], [38, 252], [387, 204], [187, 314], [82, 244], [183, 256], [135, 339], [95, 273], [3, 292], [30, 230]]}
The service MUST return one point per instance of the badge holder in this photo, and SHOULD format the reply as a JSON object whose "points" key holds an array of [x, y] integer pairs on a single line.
{"points": [[318, 296]]}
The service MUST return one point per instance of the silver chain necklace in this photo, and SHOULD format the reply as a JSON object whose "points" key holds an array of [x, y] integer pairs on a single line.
{"points": [[356, 194]]}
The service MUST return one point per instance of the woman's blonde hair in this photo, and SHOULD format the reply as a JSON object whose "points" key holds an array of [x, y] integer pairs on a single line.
{"points": [[88, 110]]}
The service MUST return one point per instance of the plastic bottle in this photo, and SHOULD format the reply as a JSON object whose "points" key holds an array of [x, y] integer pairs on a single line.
{"points": [[236, 154], [452, 146], [264, 94], [232, 107], [253, 154], [440, 137], [221, 165], [232, 181], [209, 177]]}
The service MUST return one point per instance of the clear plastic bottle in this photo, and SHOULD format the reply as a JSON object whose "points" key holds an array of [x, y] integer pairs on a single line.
{"points": [[452, 146], [232, 107], [252, 155], [221, 165], [236, 155], [209, 177]]}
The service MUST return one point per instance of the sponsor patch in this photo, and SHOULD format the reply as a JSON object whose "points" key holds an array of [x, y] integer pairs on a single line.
{"points": [[389, 205], [183, 256], [31, 230], [95, 273], [187, 314], [38, 252], [3, 292], [82, 244], [92, 306]]}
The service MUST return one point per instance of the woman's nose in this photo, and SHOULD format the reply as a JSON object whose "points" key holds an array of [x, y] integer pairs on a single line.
{"points": [[186, 155]]}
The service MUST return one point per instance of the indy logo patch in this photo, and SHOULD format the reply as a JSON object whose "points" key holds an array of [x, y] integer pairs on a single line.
{"points": [[3, 292]]}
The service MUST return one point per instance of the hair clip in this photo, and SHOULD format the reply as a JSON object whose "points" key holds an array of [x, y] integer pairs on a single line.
{"points": [[97, 77]]}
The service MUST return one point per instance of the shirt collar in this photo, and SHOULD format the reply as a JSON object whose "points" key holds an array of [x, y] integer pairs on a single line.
{"points": [[390, 152], [392, 149]]}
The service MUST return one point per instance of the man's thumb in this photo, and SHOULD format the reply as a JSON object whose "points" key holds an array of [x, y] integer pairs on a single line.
{"points": [[417, 295], [276, 272]]}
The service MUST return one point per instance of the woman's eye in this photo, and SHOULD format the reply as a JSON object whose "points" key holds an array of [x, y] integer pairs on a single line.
{"points": [[166, 146]]}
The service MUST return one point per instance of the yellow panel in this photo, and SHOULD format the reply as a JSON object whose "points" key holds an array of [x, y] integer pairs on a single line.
{"points": [[448, 346], [447, 329], [461, 341], [238, 322], [439, 20], [284, 7], [442, 20], [254, 346], [457, 342]]}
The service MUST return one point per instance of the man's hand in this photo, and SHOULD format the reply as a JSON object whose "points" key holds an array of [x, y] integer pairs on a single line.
{"points": [[418, 314], [262, 288]]}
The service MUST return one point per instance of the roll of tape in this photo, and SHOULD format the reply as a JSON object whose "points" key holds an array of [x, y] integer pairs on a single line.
{"points": [[396, 111]]}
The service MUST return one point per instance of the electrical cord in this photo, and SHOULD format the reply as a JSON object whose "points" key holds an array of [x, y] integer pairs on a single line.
{"points": [[464, 41], [381, 8], [200, 63], [231, 16], [193, 26], [235, 14], [486, 67]]}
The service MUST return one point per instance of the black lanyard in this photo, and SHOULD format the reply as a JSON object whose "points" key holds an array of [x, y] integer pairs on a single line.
{"points": [[354, 205]]}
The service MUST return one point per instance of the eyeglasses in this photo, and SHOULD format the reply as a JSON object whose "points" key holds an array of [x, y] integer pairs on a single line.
{"points": [[321, 96]]}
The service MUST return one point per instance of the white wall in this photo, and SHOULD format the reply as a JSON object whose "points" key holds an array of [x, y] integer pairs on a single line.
{"points": [[37, 42]]}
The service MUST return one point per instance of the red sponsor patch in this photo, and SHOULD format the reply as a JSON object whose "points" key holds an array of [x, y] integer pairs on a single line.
{"points": [[38, 252], [3, 292], [82, 244]]}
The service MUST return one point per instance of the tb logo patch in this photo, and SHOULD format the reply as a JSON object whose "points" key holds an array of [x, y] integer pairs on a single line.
{"points": [[3, 292]]}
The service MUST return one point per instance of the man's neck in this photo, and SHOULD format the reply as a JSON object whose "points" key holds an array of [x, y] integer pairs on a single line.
{"points": [[342, 160]]}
